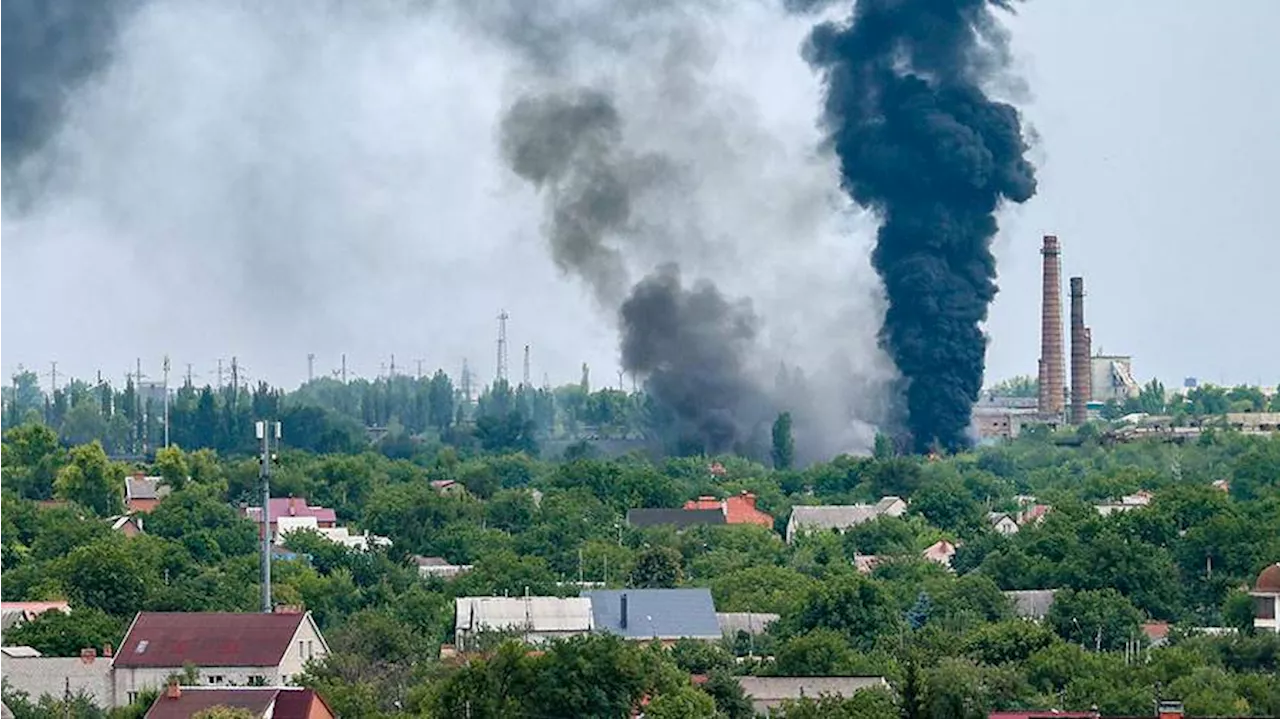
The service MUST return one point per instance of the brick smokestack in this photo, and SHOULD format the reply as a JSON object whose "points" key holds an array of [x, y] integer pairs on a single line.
{"points": [[1081, 372], [1053, 371]]}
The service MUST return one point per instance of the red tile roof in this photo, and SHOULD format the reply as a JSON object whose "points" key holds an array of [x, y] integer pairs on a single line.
{"points": [[738, 509], [290, 702], [207, 639], [280, 507]]}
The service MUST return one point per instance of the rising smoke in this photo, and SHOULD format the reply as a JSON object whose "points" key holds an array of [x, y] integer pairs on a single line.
{"points": [[921, 143]]}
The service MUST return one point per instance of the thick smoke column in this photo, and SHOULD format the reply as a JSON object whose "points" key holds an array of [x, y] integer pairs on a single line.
{"points": [[920, 142], [49, 46], [692, 344]]}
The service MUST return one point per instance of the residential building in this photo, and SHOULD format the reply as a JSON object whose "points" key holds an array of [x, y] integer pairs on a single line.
{"points": [[941, 552], [227, 649], [1031, 604], [1266, 599], [865, 563], [1032, 514], [535, 619], [768, 693], [337, 535], [37, 675], [1127, 503], [142, 493], [130, 525], [838, 518], [178, 702], [678, 518], [738, 509], [15, 613], [290, 509], [1002, 523], [448, 486], [753, 623], [439, 567], [662, 614]]}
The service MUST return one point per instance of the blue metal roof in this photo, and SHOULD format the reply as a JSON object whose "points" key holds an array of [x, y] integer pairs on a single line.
{"points": [[660, 613]]}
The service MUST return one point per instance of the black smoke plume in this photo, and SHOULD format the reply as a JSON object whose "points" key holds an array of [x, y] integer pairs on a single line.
{"points": [[922, 145], [692, 345], [688, 345], [49, 47]]}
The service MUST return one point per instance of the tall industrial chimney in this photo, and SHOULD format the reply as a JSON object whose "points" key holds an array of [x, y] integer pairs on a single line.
{"points": [[1081, 373], [1053, 371]]}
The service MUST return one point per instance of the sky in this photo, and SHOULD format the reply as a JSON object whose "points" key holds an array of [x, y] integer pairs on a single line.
{"points": [[236, 182]]}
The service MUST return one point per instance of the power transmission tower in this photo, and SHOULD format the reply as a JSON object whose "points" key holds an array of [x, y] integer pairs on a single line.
{"points": [[393, 366], [524, 378], [466, 381], [419, 374], [219, 373], [53, 377], [235, 380], [265, 431], [502, 345], [166, 401], [311, 366], [188, 374]]}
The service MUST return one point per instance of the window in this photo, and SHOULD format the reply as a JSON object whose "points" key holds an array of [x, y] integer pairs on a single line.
{"points": [[133, 697], [257, 680], [215, 679], [142, 647], [301, 654], [310, 651]]}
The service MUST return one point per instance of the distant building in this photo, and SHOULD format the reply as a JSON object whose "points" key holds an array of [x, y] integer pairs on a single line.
{"points": [[1127, 503], [1266, 599], [768, 693], [227, 648], [439, 567], [38, 675], [142, 493], [178, 702], [678, 518], [15, 613], [1005, 423], [448, 486], [536, 619], [1031, 604], [838, 518], [1112, 378], [941, 552], [1002, 523], [130, 525], [753, 623], [666, 615], [292, 510], [737, 509]]}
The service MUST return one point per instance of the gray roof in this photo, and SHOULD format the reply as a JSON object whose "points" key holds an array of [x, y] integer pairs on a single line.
{"points": [[832, 516], [655, 613], [749, 622], [145, 488], [529, 614], [674, 517], [769, 692], [1031, 603]]}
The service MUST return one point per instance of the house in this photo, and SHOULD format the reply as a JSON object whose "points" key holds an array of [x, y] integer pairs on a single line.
{"points": [[941, 552], [662, 614], [839, 518], [536, 619], [1127, 503], [15, 613], [738, 509], [337, 535], [289, 509], [37, 675], [1266, 599], [1157, 633], [448, 486], [227, 648], [439, 567], [1033, 514], [1002, 523], [753, 623], [178, 702], [130, 525], [865, 563], [142, 493], [1031, 604], [768, 693], [678, 518]]}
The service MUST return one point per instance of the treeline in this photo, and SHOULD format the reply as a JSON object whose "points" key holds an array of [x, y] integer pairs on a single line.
{"points": [[327, 415], [947, 640]]}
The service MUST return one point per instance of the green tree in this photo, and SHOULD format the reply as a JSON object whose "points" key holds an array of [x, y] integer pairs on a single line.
{"points": [[784, 445], [30, 459], [657, 567], [91, 480], [858, 608], [105, 576], [223, 712], [1097, 619], [171, 465], [864, 704], [56, 634]]}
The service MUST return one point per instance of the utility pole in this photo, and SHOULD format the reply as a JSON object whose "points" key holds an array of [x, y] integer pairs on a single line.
{"points": [[188, 374], [265, 431], [419, 374], [166, 401], [620, 380], [502, 345], [235, 381], [219, 373], [393, 366], [53, 377], [344, 368], [311, 366]]}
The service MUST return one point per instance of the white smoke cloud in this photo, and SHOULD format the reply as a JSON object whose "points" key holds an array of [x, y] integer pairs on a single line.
{"points": [[271, 179]]}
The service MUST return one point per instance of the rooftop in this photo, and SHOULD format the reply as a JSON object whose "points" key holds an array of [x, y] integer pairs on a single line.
{"points": [[655, 613], [289, 702], [674, 517], [533, 614], [292, 507], [215, 639]]}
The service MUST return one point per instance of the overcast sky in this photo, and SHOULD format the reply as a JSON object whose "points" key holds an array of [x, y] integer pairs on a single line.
{"points": [[381, 220]]}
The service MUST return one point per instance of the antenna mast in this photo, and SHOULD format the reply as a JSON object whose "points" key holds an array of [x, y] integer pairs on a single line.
{"points": [[524, 382], [166, 401]]}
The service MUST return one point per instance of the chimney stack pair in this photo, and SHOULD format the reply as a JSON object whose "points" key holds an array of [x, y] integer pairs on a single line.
{"points": [[1052, 370]]}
